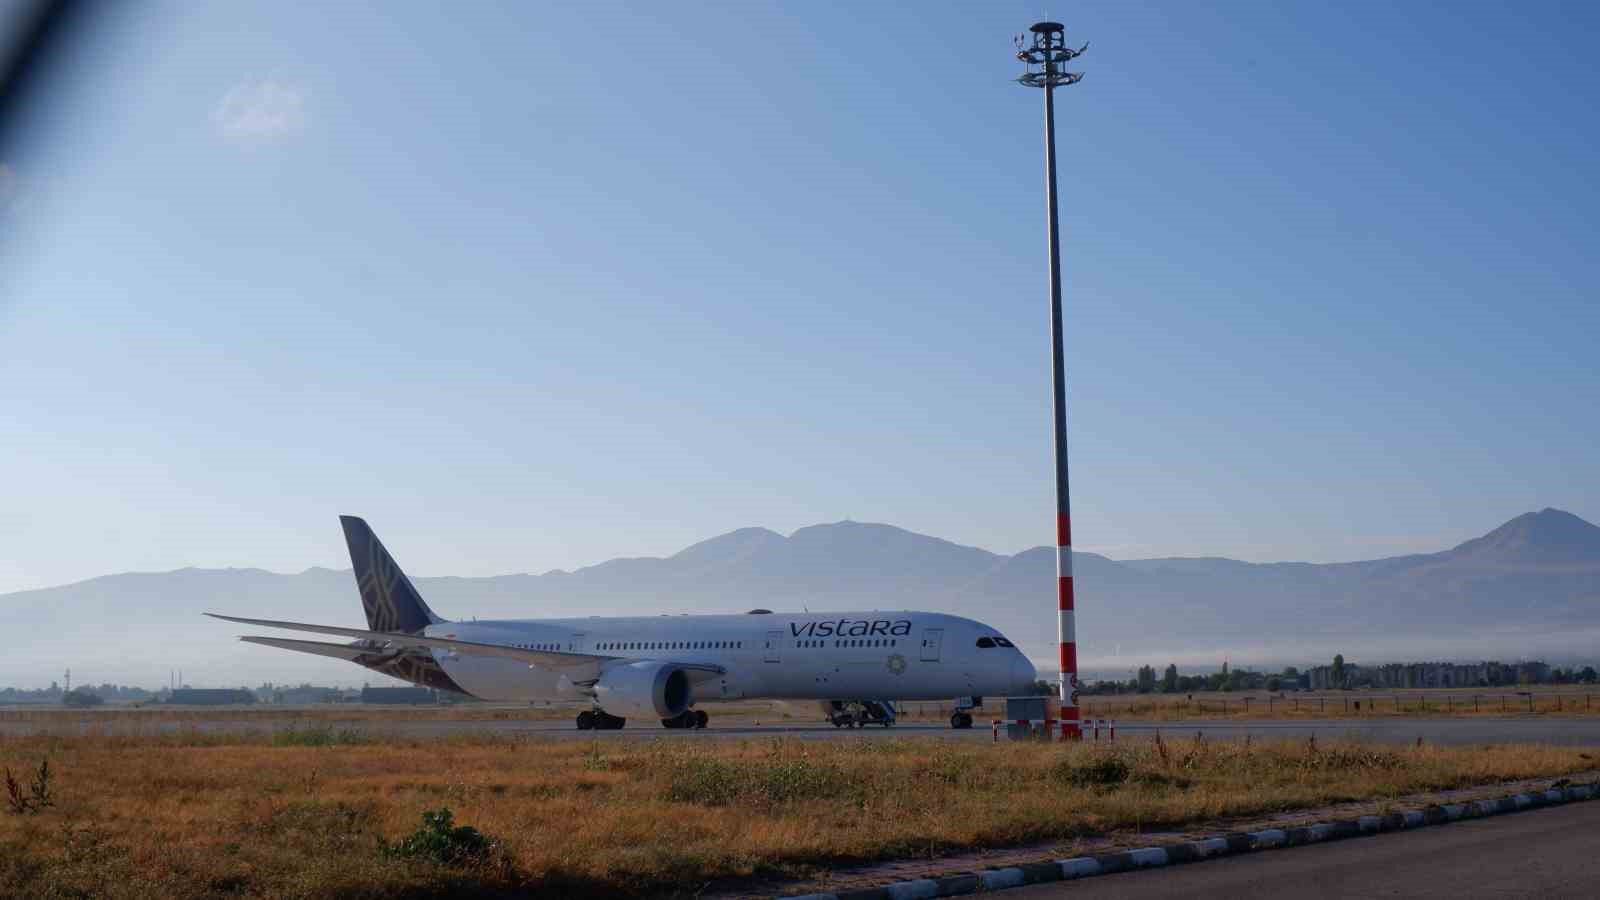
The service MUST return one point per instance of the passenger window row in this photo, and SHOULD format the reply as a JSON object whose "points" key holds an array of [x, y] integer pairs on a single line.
{"points": [[860, 642], [670, 645], [647, 645]]}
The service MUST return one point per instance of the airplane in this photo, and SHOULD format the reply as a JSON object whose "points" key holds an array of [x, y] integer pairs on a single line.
{"points": [[663, 666]]}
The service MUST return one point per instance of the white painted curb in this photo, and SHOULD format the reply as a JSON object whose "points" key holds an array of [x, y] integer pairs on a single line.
{"points": [[1207, 848]]}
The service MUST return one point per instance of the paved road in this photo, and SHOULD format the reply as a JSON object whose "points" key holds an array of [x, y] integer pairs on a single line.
{"points": [[1464, 731], [1541, 853]]}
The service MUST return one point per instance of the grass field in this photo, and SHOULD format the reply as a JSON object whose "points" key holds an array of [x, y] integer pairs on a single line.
{"points": [[1574, 701], [309, 812]]}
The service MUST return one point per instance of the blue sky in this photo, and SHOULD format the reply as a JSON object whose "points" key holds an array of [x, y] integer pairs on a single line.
{"points": [[532, 286]]}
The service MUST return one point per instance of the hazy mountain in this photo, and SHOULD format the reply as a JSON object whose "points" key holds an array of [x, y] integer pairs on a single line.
{"points": [[1529, 587], [1550, 536]]}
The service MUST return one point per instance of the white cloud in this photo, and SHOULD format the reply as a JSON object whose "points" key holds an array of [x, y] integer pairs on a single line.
{"points": [[260, 110]]}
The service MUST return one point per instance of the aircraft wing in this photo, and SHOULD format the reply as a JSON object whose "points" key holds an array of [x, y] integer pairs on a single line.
{"points": [[337, 651], [545, 659]]}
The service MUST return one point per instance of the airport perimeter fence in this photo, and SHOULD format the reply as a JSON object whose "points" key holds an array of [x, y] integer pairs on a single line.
{"points": [[1521, 702], [1166, 706]]}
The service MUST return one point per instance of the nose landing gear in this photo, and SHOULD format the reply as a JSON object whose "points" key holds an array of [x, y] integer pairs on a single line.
{"points": [[961, 715]]}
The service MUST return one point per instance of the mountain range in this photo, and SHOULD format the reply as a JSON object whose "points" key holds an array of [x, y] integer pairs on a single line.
{"points": [[1529, 588]]}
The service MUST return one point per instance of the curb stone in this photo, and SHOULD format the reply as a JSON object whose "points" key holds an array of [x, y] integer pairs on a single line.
{"points": [[1208, 848]]}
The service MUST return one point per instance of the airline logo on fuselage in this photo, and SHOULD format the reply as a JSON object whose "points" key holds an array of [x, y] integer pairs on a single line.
{"points": [[852, 628]]}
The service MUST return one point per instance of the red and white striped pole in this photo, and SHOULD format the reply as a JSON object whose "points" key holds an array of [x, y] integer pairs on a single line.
{"points": [[1045, 59], [1066, 628]]}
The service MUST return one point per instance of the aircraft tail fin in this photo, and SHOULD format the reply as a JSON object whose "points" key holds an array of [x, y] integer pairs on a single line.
{"points": [[390, 601]]}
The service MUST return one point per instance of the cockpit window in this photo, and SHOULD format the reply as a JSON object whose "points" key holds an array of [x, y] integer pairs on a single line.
{"points": [[1002, 642], [985, 642]]}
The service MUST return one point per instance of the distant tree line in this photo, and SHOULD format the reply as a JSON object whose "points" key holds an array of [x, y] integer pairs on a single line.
{"points": [[81, 697], [54, 694], [1170, 681], [1145, 680]]}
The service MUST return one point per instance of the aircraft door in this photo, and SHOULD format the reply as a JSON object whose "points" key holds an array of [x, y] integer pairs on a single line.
{"points": [[577, 642], [931, 639], [774, 641]]}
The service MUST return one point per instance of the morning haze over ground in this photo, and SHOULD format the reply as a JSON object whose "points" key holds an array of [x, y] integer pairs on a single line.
{"points": [[1523, 590]]}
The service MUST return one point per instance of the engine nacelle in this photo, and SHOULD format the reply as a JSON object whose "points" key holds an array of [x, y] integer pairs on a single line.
{"points": [[643, 689]]}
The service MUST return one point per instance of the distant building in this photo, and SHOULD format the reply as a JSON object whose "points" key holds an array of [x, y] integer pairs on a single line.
{"points": [[211, 696], [305, 695], [1411, 676], [407, 696], [1320, 678]]}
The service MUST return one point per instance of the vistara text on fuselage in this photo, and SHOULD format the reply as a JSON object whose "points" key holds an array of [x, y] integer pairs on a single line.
{"points": [[660, 666]]}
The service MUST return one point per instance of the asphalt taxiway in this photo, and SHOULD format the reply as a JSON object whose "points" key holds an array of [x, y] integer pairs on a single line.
{"points": [[1539, 853], [1464, 731]]}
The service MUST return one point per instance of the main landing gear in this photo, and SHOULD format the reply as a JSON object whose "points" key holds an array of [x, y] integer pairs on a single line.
{"points": [[961, 720], [689, 718], [599, 720]]}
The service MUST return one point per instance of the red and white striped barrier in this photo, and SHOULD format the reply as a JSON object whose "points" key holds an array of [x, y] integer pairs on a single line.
{"points": [[1110, 726], [1049, 726]]}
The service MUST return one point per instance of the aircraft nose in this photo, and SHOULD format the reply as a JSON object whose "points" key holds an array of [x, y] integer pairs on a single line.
{"points": [[1023, 676]]}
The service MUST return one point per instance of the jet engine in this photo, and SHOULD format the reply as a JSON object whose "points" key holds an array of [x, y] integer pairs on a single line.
{"points": [[643, 689]]}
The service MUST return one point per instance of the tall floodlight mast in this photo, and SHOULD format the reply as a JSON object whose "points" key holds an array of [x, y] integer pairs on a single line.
{"points": [[1045, 56]]}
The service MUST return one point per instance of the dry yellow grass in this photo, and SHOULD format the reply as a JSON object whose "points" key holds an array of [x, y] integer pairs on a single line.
{"points": [[1346, 704], [202, 814]]}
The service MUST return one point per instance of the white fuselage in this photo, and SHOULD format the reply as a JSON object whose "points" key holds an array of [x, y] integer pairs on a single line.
{"points": [[784, 656]]}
